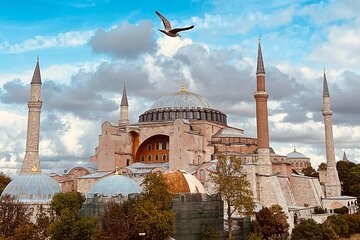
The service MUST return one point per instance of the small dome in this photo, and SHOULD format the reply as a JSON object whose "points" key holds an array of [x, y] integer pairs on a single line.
{"points": [[32, 188], [114, 185], [183, 182], [182, 99], [295, 154]]}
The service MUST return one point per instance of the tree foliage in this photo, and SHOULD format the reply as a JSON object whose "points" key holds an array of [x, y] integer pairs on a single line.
{"points": [[155, 217], [13, 215], [310, 172], [119, 220], [68, 224], [210, 233], [308, 229], [4, 181], [272, 221], [338, 224], [68, 200], [235, 190]]}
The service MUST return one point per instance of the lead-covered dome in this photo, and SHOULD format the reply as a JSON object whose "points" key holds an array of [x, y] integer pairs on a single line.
{"points": [[114, 185], [181, 99], [32, 188], [185, 105], [295, 154]]}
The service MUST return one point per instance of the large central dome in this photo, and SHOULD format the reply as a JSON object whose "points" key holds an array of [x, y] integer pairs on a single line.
{"points": [[182, 99], [185, 105]]}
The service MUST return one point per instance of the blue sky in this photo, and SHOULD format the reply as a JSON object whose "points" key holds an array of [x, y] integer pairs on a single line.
{"points": [[87, 49]]}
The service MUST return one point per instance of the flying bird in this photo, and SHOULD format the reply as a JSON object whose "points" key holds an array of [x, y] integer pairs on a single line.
{"points": [[168, 31]]}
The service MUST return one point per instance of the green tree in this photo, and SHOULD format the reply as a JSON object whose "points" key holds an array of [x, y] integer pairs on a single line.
{"points": [[338, 224], [68, 225], [210, 233], [119, 220], [13, 215], [310, 172], [71, 227], [4, 181], [308, 229], [230, 181], [272, 221], [155, 217], [68, 200]]}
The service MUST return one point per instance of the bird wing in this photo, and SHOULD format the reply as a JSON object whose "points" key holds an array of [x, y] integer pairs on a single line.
{"points": [[166, 23], [176, 30]]}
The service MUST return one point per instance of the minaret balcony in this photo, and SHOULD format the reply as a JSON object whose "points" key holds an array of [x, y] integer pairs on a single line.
{"points": [[33, 104]]}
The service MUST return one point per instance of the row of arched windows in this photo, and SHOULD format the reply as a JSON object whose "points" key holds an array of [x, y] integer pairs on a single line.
{"points": [[150, 158]]}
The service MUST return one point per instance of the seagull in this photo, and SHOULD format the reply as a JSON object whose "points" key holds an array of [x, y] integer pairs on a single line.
{"points": [[168, 31]]}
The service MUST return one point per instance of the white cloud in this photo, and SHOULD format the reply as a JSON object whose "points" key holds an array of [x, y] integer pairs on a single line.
{"points": [[340, 48], [65, 39]]}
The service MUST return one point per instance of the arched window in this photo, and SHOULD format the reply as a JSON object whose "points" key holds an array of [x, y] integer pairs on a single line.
{"points": [[156, 157], [182, 198], [164, 157], [149, 147], [142, 158], [149, 158]]}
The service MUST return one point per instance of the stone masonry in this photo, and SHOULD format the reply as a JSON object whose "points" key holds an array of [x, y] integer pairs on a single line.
{"points": [[31, 161]]}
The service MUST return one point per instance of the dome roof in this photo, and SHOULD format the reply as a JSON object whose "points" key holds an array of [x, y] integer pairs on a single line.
{"points": [[295, 154], [114, 185], [32, 188], [183, 182], [182, 99]]}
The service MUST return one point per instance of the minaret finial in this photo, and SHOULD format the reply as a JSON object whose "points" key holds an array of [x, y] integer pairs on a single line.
{"points": [[260, 64], [117, 171], [182, 88], [294, 148]]}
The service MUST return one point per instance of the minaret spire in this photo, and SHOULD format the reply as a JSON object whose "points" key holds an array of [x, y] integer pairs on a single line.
{"points": [[31, 162], [124, 109], [332, 183], [261, 97], [124, 100], [260, 64], [345, 157], [325, 87]]}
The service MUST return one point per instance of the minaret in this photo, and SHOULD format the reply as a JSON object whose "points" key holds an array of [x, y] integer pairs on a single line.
{"points": [[124, 109], [345, 157], [332, 183], [31, 163], [261, 97]]}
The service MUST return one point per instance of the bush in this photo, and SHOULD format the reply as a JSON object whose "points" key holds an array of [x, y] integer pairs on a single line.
{"points": [[319, 210], [308, 229], [353, 221], [255, 236], [343, 210], [338, 224]]}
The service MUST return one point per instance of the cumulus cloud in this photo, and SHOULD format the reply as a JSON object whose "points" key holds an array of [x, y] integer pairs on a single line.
{"points": [[65, 39], [125, 40]]}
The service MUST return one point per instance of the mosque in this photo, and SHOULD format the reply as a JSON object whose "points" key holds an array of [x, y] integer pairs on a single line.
{"points": [[182, 132]]}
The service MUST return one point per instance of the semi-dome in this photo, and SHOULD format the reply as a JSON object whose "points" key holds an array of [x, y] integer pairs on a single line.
{"points": [[114, 185], [183, 182], [182, 99], [32, 188], [295, 154], [185, 105]]}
